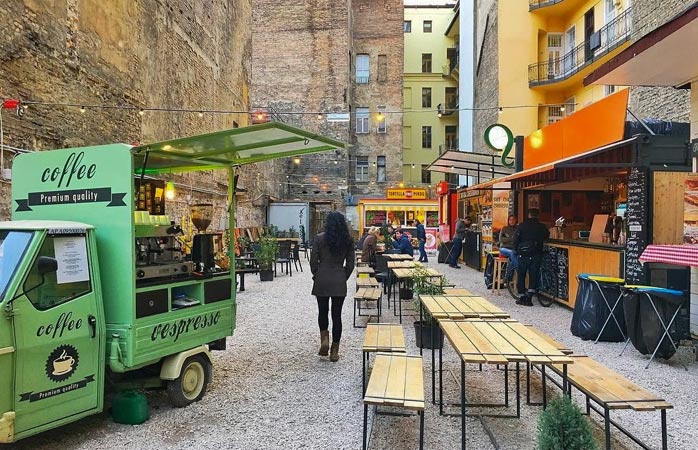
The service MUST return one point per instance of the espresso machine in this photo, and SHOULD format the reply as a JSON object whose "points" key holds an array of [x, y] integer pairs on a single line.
{"points": [[203, 251], [159, 253]]}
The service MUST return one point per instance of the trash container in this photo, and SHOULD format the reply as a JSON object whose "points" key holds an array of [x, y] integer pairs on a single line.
{"points": [[591, 311], [444, 251], [644, 326], [489, 268]]}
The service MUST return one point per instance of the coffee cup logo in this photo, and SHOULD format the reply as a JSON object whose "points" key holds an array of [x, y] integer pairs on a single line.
{"points": [[62, 363]]}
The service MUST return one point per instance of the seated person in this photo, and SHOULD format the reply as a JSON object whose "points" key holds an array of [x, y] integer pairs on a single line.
{"points": [[370, 244], [506, 244], [402, 243]]}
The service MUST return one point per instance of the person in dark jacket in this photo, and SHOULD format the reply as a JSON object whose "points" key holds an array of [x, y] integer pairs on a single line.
{"points": [[422, 238], [458, 237], [370, 245], [331, 263], [528, 244], [402, 243]]}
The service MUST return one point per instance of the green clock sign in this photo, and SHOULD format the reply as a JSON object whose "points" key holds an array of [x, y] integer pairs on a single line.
{"points": [[499, 137]]}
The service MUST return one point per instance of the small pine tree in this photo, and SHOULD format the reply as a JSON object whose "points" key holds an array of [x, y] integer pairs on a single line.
{"points": [[562, 426]]}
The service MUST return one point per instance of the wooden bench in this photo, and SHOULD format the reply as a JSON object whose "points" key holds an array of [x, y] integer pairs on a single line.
{"points": [[608, 389], [366, 282], [381, 337], [458, 292], [364, 272], [396, 381], [366, 294]]}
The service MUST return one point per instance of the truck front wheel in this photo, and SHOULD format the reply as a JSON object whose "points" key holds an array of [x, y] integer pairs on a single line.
{"points": [[191, 384]]}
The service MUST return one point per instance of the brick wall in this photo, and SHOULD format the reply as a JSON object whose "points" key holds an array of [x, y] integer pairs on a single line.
{"points": [[655, 102], [171, 54], [307, 74], [377, 30], [486, 73]]}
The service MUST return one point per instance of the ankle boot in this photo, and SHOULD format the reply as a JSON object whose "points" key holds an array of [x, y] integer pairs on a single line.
{"points": [[334, 352], [324, 343]]}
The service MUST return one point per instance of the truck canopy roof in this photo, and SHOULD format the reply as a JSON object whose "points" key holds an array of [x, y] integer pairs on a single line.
{"points": [[229, 148], [33, 225]]}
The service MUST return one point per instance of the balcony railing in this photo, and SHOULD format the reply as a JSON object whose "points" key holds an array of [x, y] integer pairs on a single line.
{"points": [[599, 44], [362, 79], [535, 4], [448, 108]]}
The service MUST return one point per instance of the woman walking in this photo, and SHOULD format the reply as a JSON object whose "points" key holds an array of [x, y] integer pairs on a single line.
{"points": [[331, 262]]}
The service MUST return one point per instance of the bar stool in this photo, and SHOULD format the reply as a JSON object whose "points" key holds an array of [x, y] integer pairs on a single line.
{"points": [[499, 273]]}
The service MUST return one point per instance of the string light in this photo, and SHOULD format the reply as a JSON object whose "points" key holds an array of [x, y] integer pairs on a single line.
{"points": [[562, 108], [501, 110], [296, 160], [201, 114], [82, 110], [262, 114]]}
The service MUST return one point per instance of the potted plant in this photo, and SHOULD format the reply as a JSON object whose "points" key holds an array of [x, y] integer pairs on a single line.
{"points": [[266, 255], [562, 425], [427, 331]]}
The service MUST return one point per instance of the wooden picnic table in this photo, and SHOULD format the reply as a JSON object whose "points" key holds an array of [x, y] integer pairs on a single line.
{"points": [[401, 275], [458, 291], [398, 256], [498, 341], [401, 264]]}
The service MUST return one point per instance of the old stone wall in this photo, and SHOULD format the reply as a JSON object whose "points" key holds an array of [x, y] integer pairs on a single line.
{"points": [[656, 102], [133, 54], [377, 32], [486, 72], [300, 67]]}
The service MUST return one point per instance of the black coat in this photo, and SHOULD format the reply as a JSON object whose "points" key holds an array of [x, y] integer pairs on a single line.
{"points": [[531, 230], [330, 271]]}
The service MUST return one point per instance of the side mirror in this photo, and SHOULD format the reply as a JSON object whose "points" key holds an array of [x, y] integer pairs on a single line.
{"points": [[46, 264]]}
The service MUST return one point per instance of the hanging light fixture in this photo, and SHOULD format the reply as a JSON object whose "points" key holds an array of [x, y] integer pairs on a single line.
{"points": [[296, 160]]}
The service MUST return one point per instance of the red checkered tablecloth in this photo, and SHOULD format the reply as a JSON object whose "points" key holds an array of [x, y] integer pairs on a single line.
{"points": [[681, 255]]}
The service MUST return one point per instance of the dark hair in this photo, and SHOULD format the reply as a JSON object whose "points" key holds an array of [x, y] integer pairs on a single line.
{"points": [[337, 234]]}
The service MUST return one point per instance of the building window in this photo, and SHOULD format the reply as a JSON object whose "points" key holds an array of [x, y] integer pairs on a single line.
{"points": [[555, 114], [362, 69], [407, 26], [362, 120], [426, 62], [381, 121], [382, 68], [570, 106], [380, 169], [609, 89], [427, 26], [451, 132], [426, 97], [426, 137], [451, 97], [362, 168], [426, 175]]}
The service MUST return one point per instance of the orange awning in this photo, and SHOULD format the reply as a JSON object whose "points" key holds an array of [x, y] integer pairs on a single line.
{"points": [[549, 173]]}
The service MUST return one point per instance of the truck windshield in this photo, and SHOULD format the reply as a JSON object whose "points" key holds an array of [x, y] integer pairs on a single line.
{"points": [[13, 245]]}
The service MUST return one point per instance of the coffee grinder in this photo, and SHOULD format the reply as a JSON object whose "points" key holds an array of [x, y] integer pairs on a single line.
{"points": [[203, 250]]}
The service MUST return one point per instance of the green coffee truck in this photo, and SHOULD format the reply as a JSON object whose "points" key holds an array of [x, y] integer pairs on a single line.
{"points": [[94, 289]]}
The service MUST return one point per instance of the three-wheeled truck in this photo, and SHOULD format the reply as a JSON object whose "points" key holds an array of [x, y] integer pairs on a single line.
{"points": [[90, 291]]}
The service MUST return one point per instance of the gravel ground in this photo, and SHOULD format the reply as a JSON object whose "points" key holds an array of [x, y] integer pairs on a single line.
{"points": [[271, 391]]}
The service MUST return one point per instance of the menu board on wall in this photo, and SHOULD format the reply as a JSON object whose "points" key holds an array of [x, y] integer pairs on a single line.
{"points": [[375, 218], [636, 216], [432, 219], [556, 260]]}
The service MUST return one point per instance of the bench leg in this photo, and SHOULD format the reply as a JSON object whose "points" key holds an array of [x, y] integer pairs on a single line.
{"points": [[441, 383], [242, 281], [462, 404], [607, 427], [506, 386], [354, 313], [545, 390], [664, 437], [363, 374], [518, 391], [421, 430], [365, 424]]}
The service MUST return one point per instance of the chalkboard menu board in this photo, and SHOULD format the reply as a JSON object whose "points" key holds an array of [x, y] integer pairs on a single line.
{"points": [[637, 217], [556, 261]]}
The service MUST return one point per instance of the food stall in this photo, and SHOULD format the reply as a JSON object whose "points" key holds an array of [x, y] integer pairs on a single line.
{"points": [[402, 207], [99, 285], [608, 186]]}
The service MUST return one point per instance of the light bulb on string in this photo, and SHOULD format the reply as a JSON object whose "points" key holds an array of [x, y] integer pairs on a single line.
{"points": [[319, 116], [141, 112], [501, 110], [296, 160], [201, 114], [82, 110], [169, 190]]}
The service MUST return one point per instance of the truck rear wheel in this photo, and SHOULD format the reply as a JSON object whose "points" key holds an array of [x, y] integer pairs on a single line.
{"points": [[191, 384]]}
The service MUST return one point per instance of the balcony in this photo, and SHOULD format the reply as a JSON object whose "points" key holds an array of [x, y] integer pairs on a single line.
{"points": [[362, 79], [555, 8], [608, 38], [447, 109]]}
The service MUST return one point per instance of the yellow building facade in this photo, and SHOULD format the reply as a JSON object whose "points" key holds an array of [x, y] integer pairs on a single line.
{"points": [[430, 92], [546, 48]]}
